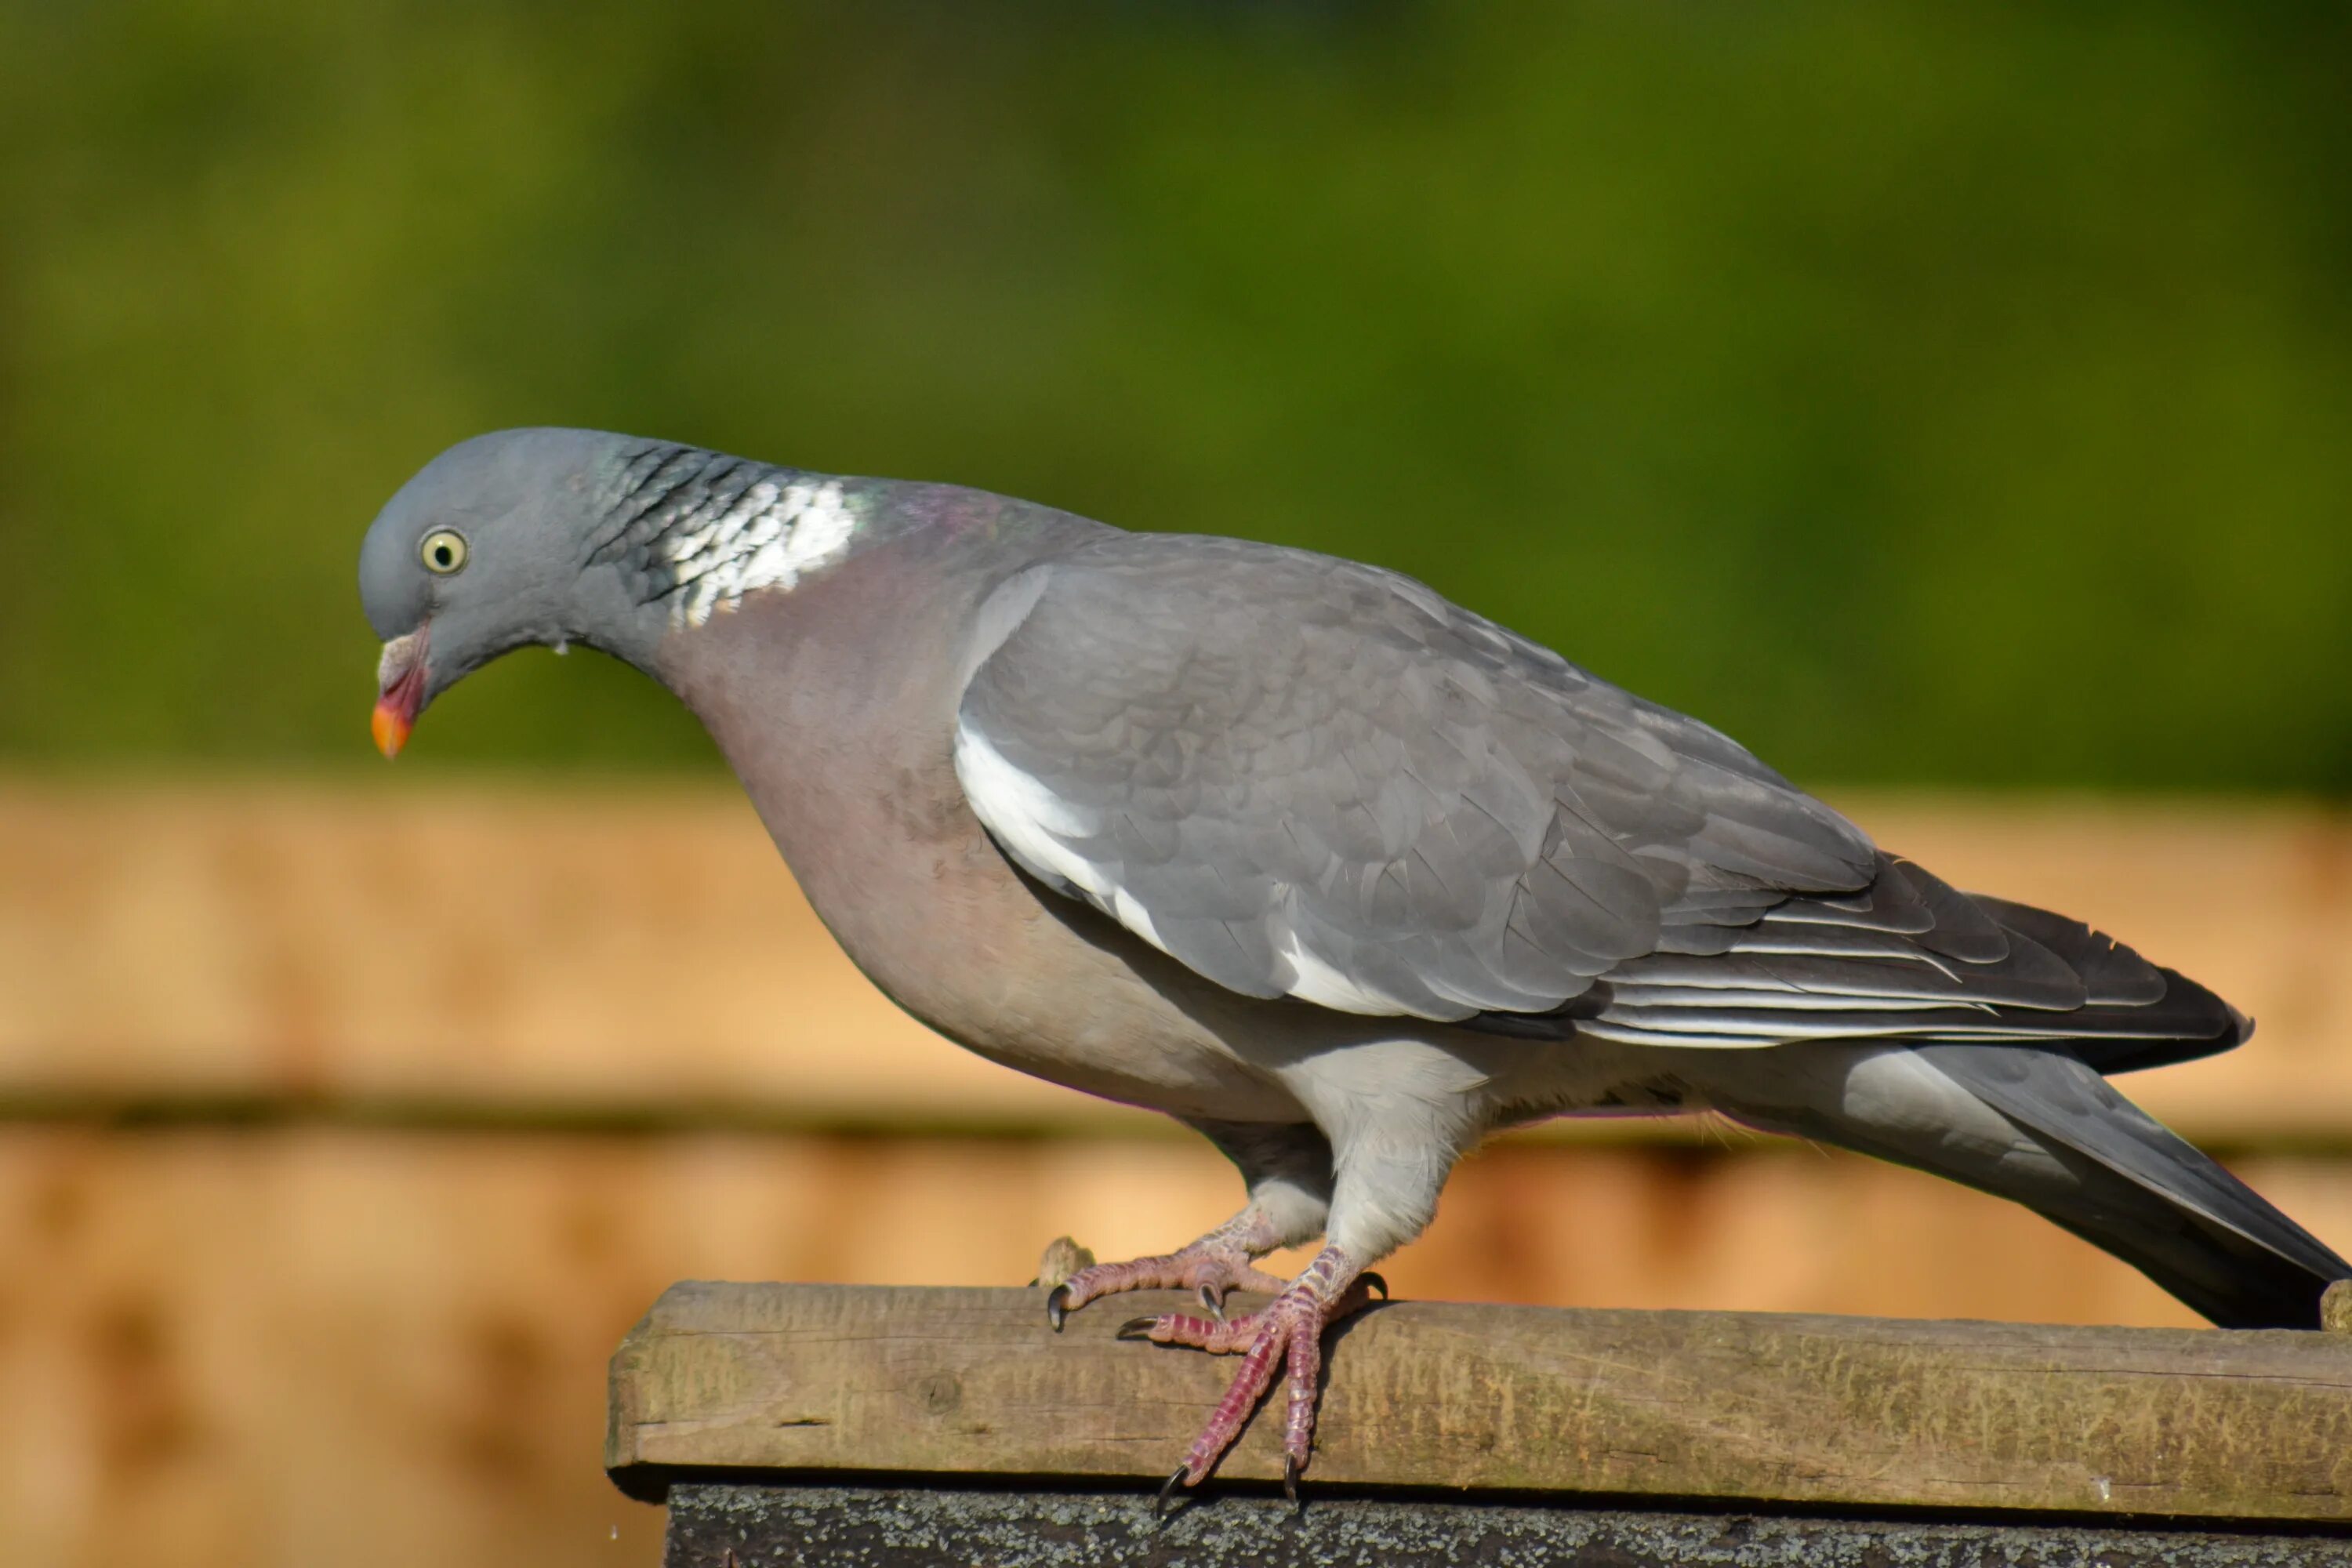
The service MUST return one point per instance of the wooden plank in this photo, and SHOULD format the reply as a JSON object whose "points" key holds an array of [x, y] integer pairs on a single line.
{"points": [[423, 949], [1798, 1410]]}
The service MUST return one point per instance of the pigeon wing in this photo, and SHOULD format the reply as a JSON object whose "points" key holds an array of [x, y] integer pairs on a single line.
{"points": [[1304, 776]]}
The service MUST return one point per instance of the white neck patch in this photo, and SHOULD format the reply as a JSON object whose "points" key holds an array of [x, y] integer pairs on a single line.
{"points": [[768, 539]]}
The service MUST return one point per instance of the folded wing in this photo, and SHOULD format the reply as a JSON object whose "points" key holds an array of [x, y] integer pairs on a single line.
{"points": [[1307, 777]]}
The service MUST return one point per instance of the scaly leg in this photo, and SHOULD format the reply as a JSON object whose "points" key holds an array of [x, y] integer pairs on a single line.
{"points": [[1223, 1260], [1287, 1335], [1386, 1173], [1288, 1169]]}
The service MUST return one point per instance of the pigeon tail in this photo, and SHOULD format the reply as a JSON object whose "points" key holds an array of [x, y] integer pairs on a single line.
{"points": [[2148, 1196], [2039, 1126]]}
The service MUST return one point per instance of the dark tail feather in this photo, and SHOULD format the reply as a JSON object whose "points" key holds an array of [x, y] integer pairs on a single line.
{"points": [[2034, 1124], [1975, 1031], [2168, 1017], [2234, 1281], [2141, 1192], [1910, 958], [2148, 1196]]}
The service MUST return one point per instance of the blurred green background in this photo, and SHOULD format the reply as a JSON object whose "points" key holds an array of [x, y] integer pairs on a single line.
{"points": [[1926, 395]]}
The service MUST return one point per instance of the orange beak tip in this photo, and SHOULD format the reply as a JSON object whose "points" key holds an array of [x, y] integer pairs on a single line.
{"points": [[390, 728], [400, 681]]}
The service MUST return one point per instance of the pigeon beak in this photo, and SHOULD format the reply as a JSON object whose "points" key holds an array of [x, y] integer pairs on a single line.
{"points": [[400, 685]]}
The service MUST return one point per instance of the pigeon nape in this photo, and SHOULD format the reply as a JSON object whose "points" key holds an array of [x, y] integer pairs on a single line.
{"points": [[1337, 873]]}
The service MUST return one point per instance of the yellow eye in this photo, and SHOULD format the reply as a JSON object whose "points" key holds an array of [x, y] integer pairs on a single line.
{"points": [[444, 551]]}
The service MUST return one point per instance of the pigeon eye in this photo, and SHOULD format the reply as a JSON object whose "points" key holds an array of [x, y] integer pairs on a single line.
{"points": [[444, 551]]}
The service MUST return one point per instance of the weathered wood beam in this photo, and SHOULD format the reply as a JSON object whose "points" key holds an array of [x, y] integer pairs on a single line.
{"points": [[1790, 1411]]}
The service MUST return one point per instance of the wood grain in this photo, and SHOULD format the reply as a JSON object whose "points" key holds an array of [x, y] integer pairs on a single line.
{"points": [[462, 951], [1810, 1410]]}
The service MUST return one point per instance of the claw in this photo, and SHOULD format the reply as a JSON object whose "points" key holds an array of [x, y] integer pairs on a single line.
{"points": [[1291, 1470], [1212, 1304], [1136, 1328], [1372, 1281], [1058, 1306], [1168, 1488]]}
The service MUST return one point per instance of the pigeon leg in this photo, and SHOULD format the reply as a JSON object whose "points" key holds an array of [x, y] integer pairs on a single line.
{"points": [[1288, 1170], [1220, 1261], [1286, 1336]]}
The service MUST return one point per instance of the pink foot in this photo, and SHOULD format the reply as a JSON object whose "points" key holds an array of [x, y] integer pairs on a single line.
{"points": [[1207, 1268], [1287, 1336]]}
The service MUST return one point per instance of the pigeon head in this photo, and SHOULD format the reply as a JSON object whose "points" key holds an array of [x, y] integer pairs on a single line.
{"points": [[561, 536], [481, 553]]}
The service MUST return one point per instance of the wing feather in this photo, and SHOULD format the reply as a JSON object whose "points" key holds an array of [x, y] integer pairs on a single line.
{"points": [[1307, 777]]}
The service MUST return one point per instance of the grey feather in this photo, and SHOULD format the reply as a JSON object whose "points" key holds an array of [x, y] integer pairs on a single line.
{"points": [[1285, 763], [1909, 959], [2038, 1126], [2066, 1102]]}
